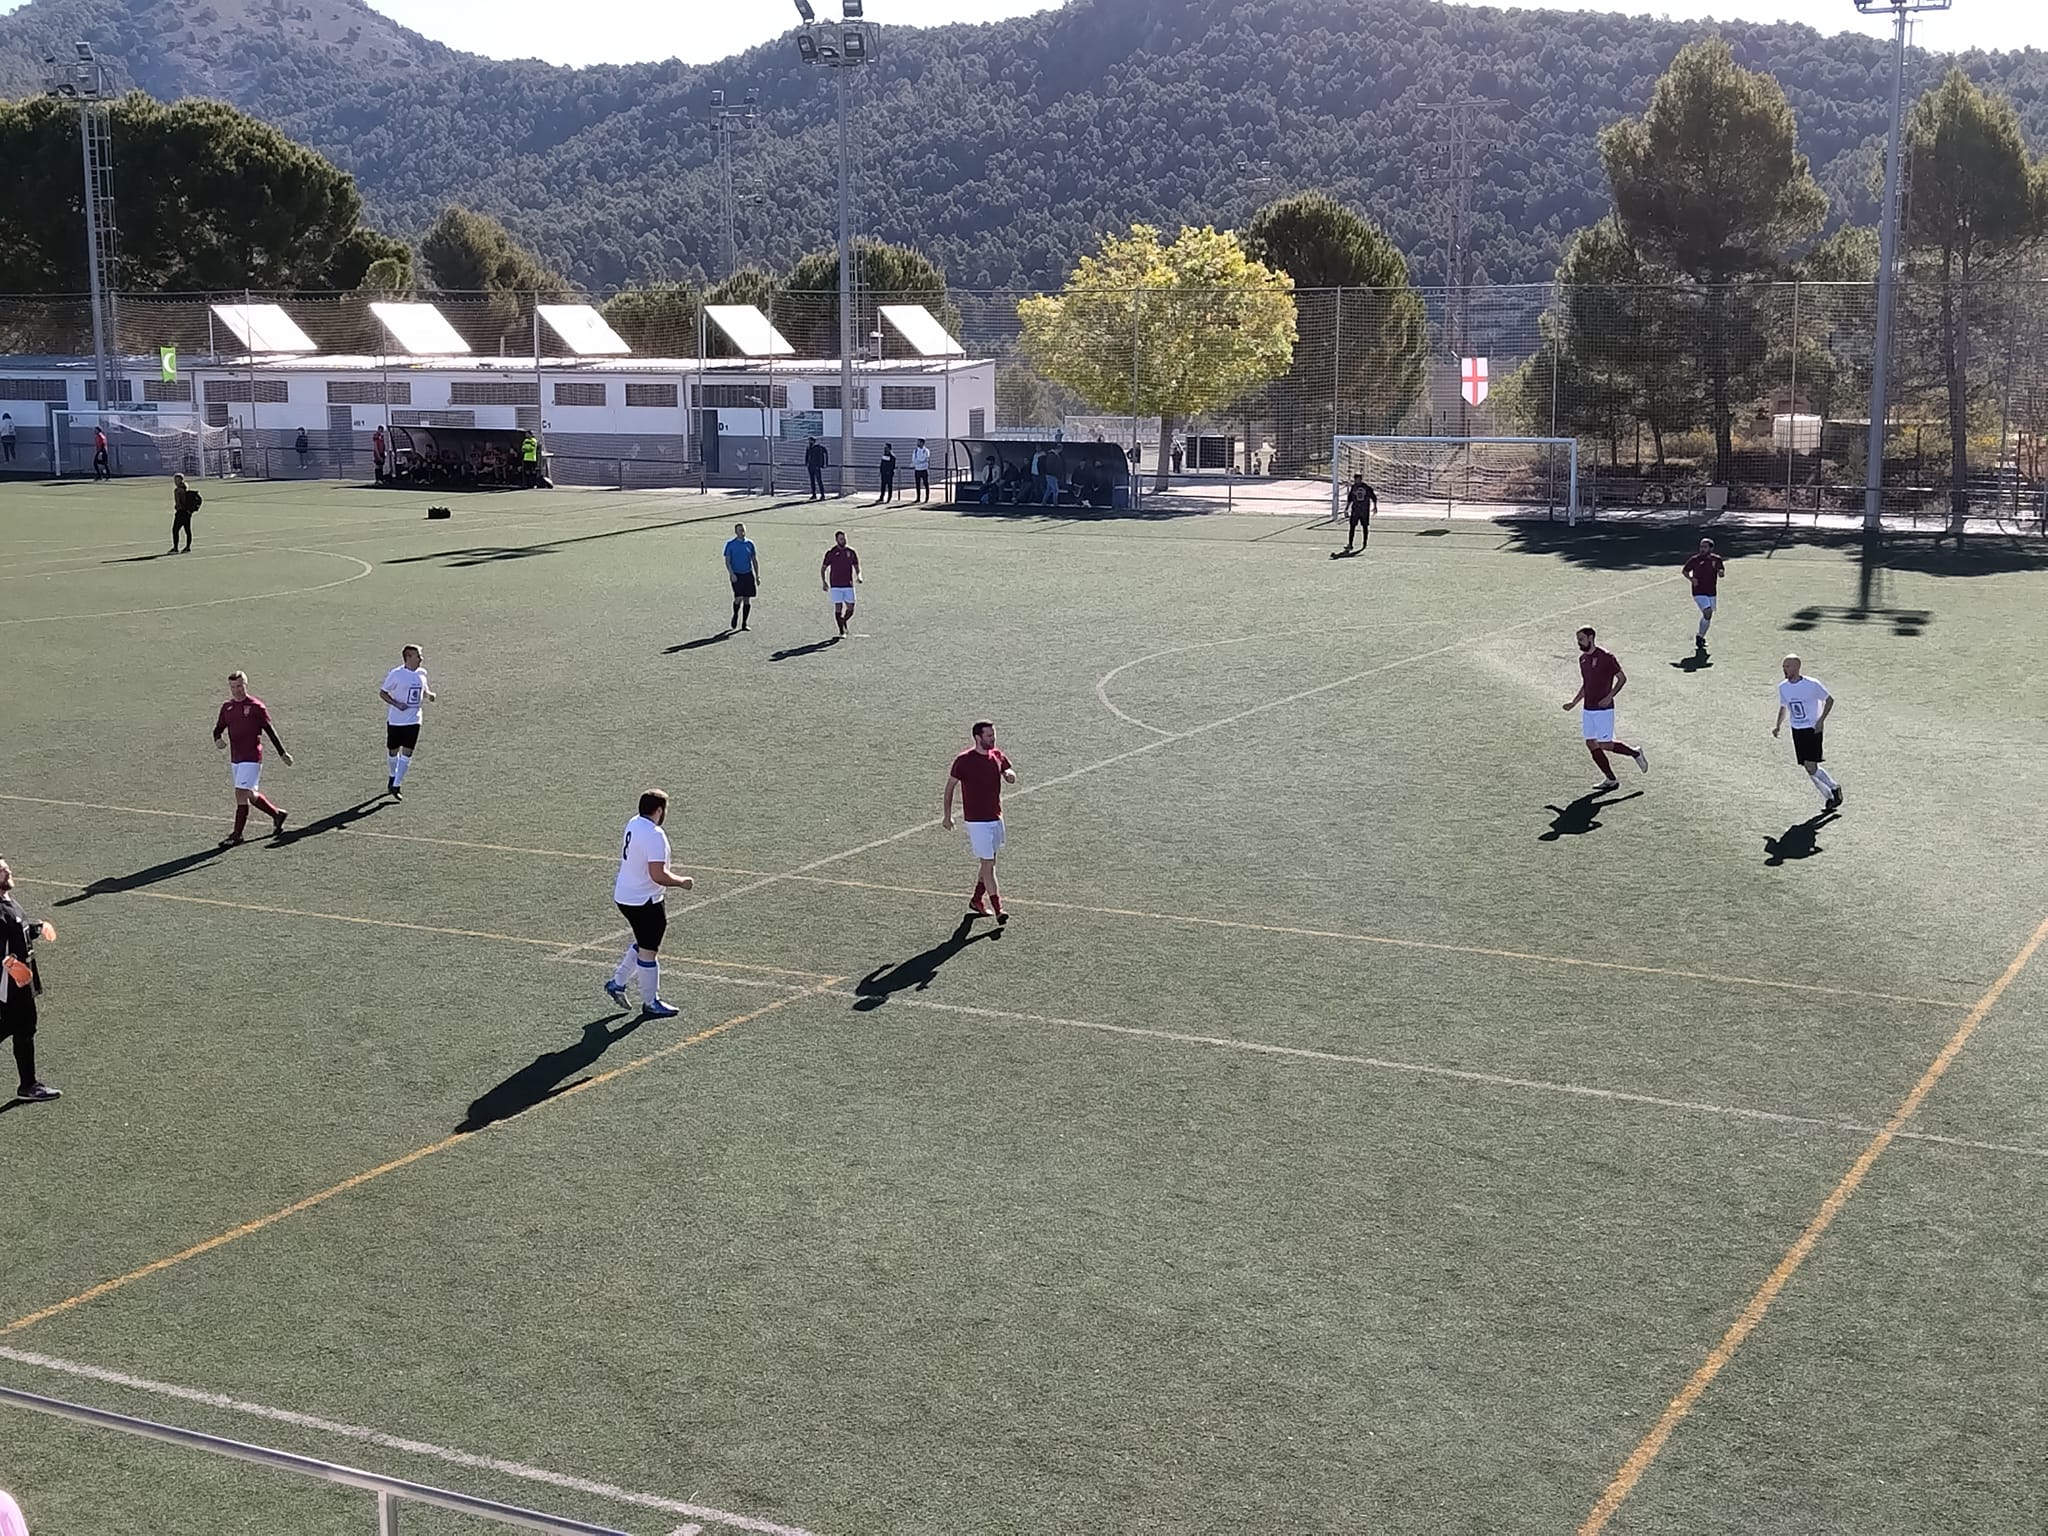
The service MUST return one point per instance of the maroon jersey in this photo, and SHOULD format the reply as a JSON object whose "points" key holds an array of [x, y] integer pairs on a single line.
{"points": [[981, 783], [243, 720], [1597, 670], [1705, 571], [840, 564]]}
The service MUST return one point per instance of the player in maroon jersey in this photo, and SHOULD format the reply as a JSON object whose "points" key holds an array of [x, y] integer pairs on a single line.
{"points": [[980, 774], [838, 572], [1600, 679], [1704, 571], [241, 726]]}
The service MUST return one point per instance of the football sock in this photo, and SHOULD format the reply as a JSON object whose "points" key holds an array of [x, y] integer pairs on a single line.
{"points": [[746, 612], [980, 890], [25, 1057], [263, 803], [1827, 784], [650, 981], [624, 973], [391, 770], [1704, 622], [399, 764], [241, 819], [1624, 749], [1600, 758], [735, 624]]}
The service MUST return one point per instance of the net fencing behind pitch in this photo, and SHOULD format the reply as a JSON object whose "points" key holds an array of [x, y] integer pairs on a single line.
{"points": [[1483, 472]]}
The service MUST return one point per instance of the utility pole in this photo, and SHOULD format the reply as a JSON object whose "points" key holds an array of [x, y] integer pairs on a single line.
{"points": [[841, 47], [1888, 254], [1456, 179], [85, 81], [725, 122]]}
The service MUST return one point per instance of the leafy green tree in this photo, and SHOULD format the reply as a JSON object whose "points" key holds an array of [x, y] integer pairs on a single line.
{"points": [[208, 199], [1358, 361], [808, 308], [1144, 326], [362, 251], [487, 279], [1977, 201], [1709, 184], [657, 321]]}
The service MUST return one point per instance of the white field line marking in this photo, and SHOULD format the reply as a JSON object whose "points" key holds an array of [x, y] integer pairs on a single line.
{"points": [[1102, 683], [1046, 904], [1154, 745], [1454, 1074], [410, 1447], [246, 597]]}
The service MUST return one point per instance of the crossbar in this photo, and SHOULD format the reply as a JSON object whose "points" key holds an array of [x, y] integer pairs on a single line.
{"points": [[389, 1490]]}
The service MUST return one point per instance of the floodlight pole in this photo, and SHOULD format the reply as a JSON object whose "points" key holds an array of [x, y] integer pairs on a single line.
{"points": [[845, 289], [1887, 258]]}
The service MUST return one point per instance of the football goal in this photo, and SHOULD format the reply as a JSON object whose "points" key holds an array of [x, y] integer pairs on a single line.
{"points": [[138, 443], [1519, 472]]}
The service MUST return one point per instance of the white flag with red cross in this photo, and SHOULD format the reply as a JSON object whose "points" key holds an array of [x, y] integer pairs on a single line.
{"points": [[1475, 388]]}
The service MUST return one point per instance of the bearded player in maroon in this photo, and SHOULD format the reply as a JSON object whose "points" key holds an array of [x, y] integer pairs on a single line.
{"points": [[1600, 679], [244, 721], [979, 774]]}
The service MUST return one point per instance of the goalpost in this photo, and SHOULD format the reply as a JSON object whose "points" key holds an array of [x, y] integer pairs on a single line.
{"points": [[139, 442], [1512, 471]]}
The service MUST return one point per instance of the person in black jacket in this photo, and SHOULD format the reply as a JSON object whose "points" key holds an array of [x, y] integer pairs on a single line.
{"points": [[814, 461], [184, 502], [20, 981]]}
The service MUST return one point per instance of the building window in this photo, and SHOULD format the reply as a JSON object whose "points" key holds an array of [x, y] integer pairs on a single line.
{"points": [[909, 397], [584, 393], [825, 397], [739, 397], [167, 390], [268, 391], [433, 418], [33, 389], [493, 392], [652, 396], [124, 390], [369, 392], [977, 422]]}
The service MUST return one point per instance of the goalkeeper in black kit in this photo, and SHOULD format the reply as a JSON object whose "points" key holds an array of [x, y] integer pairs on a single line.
{"points": [[1361, 503]]}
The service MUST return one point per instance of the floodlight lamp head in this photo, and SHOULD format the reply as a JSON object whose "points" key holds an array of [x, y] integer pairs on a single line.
{"points": [[84, 51], [717, 100], [855, 44], [803, 9], [850, 10], [807, 47]]}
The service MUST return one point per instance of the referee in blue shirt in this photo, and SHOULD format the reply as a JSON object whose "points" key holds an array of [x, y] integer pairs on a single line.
{"points": [[743, 565]]}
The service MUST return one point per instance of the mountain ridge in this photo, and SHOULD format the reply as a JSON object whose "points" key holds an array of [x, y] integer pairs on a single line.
{"points": [[1003, 148]]}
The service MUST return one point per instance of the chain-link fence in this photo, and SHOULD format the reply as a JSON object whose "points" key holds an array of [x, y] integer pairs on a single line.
{"points": [[1683, 399]]}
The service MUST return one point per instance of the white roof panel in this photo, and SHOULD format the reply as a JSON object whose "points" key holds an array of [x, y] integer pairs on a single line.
{"points": [[264, 328], [749, 330], [583, 330], [419, 329], [917, 325]]}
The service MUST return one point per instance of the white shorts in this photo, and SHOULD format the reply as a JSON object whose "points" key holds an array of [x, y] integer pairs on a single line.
{"points": [[985, 838], [1597, 724], [246, 774], [1705, 600], [842, 595]]}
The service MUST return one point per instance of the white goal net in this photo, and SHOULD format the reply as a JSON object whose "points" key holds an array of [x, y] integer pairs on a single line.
{"points": [[140, 443], [1486, 473]]}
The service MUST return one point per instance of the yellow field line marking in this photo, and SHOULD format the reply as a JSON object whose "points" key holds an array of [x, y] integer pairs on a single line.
{"points": [[356, 1181], [1647, 1449], [388, 922], [568, 948]]}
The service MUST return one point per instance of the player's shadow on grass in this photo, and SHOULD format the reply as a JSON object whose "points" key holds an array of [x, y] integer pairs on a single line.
{"points": [[700, 642], [488, 554], [161, 554], [919, 971], [1801, 840], [1582, 815], [548, 1075], [806, 650], [169, 869], [332, 822], [1698, 661]]}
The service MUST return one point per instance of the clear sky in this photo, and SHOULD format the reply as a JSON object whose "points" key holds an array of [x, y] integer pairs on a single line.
{"points": [[703, 31]]}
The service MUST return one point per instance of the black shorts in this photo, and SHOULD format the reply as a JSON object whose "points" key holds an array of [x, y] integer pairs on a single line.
{"points": [[396, 736], [743, 586], [649, 922], [1359, 519], [1806, 745]]}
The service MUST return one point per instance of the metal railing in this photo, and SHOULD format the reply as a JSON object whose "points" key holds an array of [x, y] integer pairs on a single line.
{"points": [[390, 1491]]}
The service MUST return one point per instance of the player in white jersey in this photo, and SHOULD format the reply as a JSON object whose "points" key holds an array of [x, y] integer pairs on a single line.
{"points": [[644, 879], [1808, 702], [405, 694]]}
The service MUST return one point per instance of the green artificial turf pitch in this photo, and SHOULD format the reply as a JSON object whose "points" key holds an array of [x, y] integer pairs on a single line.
{"points": [[1271, 1172]]}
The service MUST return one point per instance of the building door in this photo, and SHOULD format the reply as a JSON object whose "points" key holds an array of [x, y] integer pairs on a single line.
{"points": [[341, 435]]}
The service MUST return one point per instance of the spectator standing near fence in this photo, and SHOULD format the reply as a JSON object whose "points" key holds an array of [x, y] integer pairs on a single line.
{"points": [[6, 438], [302, 446], [815, 459], [101, 470], [887, 466], [184, 502], [921, 470], [377, 453]]}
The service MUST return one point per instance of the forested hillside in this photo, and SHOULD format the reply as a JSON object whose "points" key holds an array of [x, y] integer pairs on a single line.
{"points": [[1003, 150]]}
